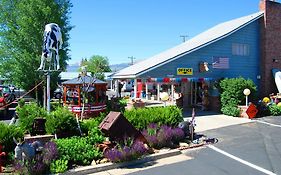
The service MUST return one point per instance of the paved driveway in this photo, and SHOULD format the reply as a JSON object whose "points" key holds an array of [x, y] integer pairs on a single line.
{"points": [[249, 148]]}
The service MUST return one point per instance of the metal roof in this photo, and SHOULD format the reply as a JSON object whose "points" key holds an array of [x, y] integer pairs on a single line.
{"points": [[83, 80], [214, 34]]}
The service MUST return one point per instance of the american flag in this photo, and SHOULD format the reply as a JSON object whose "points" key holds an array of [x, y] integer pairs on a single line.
{"points": [[221, 63]]}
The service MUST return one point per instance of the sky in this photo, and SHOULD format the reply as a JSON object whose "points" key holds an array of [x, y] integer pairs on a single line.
{"points": [[119, 29]]}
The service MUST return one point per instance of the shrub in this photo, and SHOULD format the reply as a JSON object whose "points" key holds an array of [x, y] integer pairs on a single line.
{"points": [[62, 122], [59, 166], [231, 111], [141, 117], [116, 104], [163, 136], [6, 136], [88, 124], [27, 114], [77, 150], [275, 110], [232, 94], [125, 152]]}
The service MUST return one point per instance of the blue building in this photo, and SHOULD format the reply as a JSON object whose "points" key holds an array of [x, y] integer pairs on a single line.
{"points": [[248, 47]]}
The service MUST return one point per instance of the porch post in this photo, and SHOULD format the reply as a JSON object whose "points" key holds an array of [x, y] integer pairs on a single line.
{"points": [[158, 91], [135, 88], [173, 93], [116, 88], [146, 91]]}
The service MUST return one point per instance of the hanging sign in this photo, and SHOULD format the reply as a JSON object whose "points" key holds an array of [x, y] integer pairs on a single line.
{"points": [[184, 71]]}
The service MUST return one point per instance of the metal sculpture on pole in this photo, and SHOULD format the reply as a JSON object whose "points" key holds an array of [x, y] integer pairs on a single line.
{"points": [[50, 54]]}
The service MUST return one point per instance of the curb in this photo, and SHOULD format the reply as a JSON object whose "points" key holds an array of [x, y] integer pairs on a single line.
{"points": [[109, 166]]}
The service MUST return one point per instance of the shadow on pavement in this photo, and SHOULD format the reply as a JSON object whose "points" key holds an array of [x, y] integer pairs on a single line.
{"points": [[187, 112]]}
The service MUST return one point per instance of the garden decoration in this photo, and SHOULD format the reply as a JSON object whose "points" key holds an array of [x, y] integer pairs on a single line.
{"points": [[116, 126], [85, 95], [188, 126], [52, 44], [27, 150], [2, 154]]}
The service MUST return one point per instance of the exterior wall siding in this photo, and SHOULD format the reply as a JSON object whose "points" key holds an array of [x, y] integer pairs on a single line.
{"points": [[245, 66]]}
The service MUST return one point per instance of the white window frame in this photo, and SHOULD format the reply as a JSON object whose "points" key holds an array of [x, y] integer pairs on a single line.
{"points": [[240, 49]]}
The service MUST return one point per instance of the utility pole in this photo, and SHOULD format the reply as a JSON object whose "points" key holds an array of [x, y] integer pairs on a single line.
{"points": [[132, 60], [184, 37]]}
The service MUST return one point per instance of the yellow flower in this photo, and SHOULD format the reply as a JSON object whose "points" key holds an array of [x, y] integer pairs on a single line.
{"points": [[266, 100]]}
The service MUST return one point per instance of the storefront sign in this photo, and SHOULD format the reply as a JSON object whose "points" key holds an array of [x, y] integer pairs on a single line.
{"points": [[184, 71]]}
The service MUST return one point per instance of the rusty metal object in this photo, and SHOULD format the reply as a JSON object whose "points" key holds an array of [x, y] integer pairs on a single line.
{"points": [[116, 127]]}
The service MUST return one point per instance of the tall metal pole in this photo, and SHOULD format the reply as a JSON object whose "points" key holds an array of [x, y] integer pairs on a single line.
{"points": [[44, 94], [48, 92]]}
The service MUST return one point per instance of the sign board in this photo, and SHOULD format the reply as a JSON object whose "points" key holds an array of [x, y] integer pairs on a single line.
{"points": [[252, 111], [184, 71]]}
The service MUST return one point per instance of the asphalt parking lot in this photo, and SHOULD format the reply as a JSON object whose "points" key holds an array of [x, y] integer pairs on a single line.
{"points": [[251, 148]]}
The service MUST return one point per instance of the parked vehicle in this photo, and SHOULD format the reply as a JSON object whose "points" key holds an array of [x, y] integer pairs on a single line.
{"points": [[58, 93], [8, 93]]}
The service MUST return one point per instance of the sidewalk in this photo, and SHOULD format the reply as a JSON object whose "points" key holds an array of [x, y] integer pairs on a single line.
{"points": [[209, 122]]}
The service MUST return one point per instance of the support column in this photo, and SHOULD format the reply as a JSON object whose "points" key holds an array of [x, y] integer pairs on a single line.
{"points": [[48, 92], [158, 92], [146, 91], [173, 92], [116, 88], [135, 88], [44, 94]]}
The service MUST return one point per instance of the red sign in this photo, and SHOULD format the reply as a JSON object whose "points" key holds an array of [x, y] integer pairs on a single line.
{"points": [[252, 111]]}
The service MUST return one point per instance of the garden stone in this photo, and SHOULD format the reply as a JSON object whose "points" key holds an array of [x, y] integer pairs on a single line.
{"points": [[94, 163]]}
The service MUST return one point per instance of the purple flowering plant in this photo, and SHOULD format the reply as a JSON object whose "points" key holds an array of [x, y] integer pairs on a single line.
{"points": [[131, 150], [162, 136]]}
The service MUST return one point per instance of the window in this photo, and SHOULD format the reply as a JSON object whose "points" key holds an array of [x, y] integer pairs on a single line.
{"points": [[240, 49]]}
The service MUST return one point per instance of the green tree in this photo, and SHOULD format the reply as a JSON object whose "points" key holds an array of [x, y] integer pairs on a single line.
{"points": [[22, 25], [97, 65]]}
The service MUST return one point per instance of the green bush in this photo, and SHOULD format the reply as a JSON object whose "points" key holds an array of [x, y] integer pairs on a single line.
{"points": [[142, 117], [6, 136], [116, 104], [232, 94], [59, 166], [275, 110], [231, 111], [88, 124], [62, 122], [77, 150], [27, 113]]}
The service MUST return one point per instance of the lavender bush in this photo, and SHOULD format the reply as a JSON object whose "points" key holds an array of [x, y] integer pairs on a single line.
{"points": [[163, 136], [125, 153]]}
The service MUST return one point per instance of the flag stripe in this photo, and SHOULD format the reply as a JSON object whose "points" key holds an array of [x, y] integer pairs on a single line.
{"points": [[221, 63]]}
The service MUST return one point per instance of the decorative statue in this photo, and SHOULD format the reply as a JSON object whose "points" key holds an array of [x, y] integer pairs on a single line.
{"points": [[52, 44], [27, 150]]}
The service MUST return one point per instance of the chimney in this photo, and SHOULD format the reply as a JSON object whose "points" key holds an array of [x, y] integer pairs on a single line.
{"points": [[262, 5], [270, 44]]}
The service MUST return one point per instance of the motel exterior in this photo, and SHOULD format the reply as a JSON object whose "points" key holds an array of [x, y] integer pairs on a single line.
{"points": [[248, 47]]}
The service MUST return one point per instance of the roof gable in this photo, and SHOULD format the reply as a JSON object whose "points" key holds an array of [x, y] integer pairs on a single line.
{"points": [[214, 34]]}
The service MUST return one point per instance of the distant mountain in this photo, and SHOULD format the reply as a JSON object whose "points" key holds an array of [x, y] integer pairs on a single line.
{"points": [[114, 67], [117, 67], [73, 67]]}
